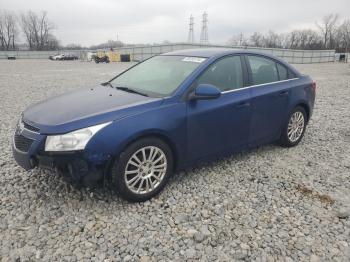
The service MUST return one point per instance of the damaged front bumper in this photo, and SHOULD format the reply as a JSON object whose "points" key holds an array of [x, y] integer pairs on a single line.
{"points": [[84, 167], [74, 166]]}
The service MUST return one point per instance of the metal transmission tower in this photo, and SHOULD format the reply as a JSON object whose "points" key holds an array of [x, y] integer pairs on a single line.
{"points": [[191, 32], [204, 33]]}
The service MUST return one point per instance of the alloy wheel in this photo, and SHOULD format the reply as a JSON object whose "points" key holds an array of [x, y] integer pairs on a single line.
{"points": [[296, 126], [145, 170]]}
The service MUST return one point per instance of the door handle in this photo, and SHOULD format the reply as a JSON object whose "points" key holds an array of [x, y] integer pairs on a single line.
{"points": [[243, 104], [284, 93]]}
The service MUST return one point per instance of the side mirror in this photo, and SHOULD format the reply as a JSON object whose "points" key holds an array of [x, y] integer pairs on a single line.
{"points": [[205, 92]]}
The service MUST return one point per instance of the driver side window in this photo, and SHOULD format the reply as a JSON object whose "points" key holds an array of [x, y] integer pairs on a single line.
{"points": [[226, 74]]}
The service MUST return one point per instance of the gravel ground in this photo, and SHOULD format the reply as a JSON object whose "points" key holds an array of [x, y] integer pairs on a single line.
{"points": [[268, 204]]}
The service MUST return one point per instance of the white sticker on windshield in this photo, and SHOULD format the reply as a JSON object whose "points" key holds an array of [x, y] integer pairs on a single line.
{"points": [[193, 59]]}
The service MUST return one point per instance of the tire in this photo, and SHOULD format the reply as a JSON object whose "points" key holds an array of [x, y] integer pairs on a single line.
{"points": [[148, 177], [289, 138]]}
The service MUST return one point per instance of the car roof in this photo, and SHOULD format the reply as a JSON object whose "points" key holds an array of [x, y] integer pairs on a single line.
{"points": [[218, 52]]}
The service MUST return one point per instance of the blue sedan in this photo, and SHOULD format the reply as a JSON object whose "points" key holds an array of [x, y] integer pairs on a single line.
{"points": [[163, 114]]}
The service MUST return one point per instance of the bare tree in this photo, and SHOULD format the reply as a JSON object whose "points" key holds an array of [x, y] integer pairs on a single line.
{"points": [[292, 41], [328, 27], [283, 40], [38, 31], [313, 40], [73, 47], [303, 39], [329, 36], [238, 40], [272, 40], [234, 40], [108, 44], [8, 30], [343, 36], [256, 39]]}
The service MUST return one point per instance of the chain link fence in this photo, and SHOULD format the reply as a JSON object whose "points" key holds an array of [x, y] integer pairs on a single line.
{"points": [[291, 56], [139, 53]]}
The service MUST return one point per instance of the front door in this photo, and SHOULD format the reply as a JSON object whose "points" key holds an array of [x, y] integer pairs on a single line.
{"points": [[222, 124]]}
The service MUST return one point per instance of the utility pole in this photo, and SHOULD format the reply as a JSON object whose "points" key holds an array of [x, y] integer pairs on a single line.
{"points": [[190, 38], [204, 32]]}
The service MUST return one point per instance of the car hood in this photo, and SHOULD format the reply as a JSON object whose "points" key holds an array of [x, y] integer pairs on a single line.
{"points": [[85, 107]]}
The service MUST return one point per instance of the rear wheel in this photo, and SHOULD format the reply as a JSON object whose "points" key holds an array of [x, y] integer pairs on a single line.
{"points": [[142, 169], [294, 130]]}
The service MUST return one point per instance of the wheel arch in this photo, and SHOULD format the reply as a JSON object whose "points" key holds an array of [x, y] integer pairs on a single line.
{"points": [[156, 134], [306, 108]]}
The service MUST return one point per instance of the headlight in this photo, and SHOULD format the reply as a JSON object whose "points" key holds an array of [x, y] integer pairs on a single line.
{"points": [[75, 140]]}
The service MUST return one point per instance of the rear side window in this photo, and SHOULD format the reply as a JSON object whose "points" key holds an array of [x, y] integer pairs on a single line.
{"points": [[226, 74], [263, 70], [282, 71]]}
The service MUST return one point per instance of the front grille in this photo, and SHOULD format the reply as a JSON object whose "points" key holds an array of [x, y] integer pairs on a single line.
{"points": [[23, 143], [29, 127]]}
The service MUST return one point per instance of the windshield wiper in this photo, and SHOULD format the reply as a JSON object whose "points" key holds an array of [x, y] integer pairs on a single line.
{"points": [[130, 90]]}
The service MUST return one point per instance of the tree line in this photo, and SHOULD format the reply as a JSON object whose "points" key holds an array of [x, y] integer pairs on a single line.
{"points": [[36, 29], [330, 33]]}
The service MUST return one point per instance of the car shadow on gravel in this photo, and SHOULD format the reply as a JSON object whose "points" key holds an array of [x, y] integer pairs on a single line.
{"points": [[57, 185]]}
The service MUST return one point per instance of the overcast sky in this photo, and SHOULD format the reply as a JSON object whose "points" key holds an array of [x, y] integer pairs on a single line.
{"points": [[95, 21]]}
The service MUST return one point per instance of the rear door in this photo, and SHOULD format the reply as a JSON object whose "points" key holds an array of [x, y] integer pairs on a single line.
{"points": [[270, 95]]}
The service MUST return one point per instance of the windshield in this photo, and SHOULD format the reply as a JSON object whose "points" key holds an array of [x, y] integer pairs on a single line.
{"points": [[159, 75]]}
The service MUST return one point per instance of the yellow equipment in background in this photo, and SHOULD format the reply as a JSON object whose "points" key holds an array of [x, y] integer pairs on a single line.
{"points": [[114, 56]]}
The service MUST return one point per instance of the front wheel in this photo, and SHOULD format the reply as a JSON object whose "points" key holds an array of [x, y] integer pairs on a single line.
{"points": [[294, 130], [142, 169]]}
